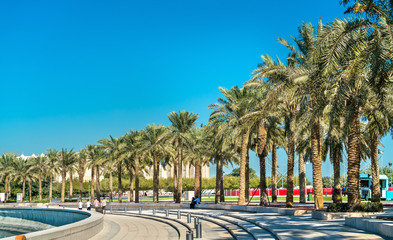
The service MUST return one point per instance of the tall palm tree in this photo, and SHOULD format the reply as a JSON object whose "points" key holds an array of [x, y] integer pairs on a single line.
{"points": [[230, 111], [66, 161], [40, 166], [113, 147], [95, 160], [22, 172], [52, 158], [182, 124], [152, 143], [133, 156], [6, 163], [81, 169]]}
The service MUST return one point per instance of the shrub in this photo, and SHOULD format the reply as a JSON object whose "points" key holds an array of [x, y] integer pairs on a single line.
{"points": [[41, 201], [364, 207], [372, 207], [338, 207], [70, 200], [11, 201]]}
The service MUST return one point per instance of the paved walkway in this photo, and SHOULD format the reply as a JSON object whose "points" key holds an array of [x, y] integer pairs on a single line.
{"points": [[124, 227], [286, 227]]}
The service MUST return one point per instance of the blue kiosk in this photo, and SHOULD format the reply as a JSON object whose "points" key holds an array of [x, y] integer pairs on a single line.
{"points": [[366, 185]]}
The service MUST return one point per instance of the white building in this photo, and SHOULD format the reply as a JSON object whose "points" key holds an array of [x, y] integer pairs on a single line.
{"points": [[188, 171]]}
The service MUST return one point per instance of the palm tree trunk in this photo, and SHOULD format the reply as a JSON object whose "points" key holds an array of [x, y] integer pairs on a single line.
{"points": [[120, 187], [218, 180], [92, 184], [261, 141], [6, 187], [262, 180], [243, 165], [274, 173], [175, 179], [80, 186], [98, 185], [132, 184], [291, 162], [248, 177], [222, 193], [63, 183], [316, 164], [9, 190], [71, 185], [302, 179], [39, 186], [337, 197], [29, 191], [197, 179], [376, 191], [110, 186], [137, 179], [155, 178], [50, 186], [180, 172], [354, 158], [23, 190]]}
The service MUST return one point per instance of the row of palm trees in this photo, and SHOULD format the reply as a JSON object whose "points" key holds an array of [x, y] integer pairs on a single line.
{"points": [[332, 96]]}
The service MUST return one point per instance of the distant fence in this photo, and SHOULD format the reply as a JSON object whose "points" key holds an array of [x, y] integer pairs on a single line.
{"points": [[283, 192]]}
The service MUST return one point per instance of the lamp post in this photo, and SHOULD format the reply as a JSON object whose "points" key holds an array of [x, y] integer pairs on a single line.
{"points": [[391, 174], [89, 189]]}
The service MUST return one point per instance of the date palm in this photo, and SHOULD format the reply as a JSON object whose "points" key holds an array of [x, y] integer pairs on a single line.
{"points": [[182, 124], [66, 161], [230, 110], [152, 143], [6, 163], [359, 73], [132, 154], [22, 172], [113, 147], [52, 159], [40, 166], [81, 168]]}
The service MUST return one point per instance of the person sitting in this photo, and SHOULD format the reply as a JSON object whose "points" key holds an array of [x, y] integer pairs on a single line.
{"points": [[197, 200], [192, 205]]}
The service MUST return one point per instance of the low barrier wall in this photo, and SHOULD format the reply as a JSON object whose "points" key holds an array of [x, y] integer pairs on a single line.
{"points": [[78, 224]]}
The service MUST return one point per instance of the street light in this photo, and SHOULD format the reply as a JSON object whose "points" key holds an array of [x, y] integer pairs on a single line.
{"points": [[391, 174]]}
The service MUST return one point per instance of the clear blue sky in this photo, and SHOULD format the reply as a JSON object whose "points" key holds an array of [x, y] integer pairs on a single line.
{"points": [[73, 72]]}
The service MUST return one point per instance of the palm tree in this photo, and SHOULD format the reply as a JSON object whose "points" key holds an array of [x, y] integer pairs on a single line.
{"points": [[40, 166], [22, 172], [95, 160], [132, 154], [182, 123], [6, 163], [113, 147], [81, 168], [52, 158], [152, 143], [230, 111], [66, 161]]}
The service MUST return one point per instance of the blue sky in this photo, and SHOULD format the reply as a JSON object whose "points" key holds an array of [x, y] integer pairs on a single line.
{"points": [[73, 72]]}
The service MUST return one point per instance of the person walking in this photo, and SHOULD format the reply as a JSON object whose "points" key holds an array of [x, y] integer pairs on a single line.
{"points": [[88, 205], [103, 205], [96, 203], [80, 205]]}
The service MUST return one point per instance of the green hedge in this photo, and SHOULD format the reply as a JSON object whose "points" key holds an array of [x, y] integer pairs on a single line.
{"points": [[364, 207], [70, 200], [41, 201]]}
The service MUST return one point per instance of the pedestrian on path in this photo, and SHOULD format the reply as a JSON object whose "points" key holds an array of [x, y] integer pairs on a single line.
{"points": [[103, 205], [88, 205], [80, 205], [96, 203]]}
